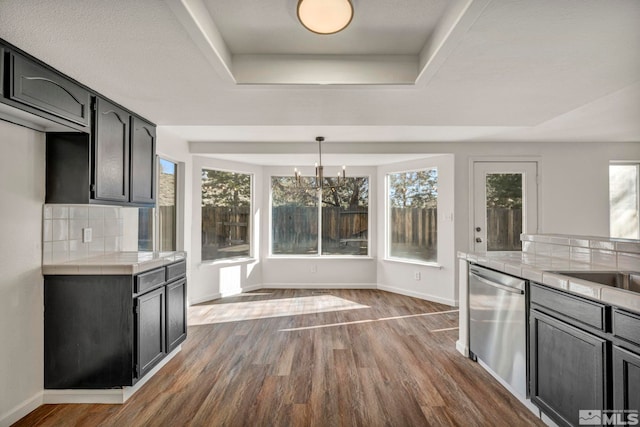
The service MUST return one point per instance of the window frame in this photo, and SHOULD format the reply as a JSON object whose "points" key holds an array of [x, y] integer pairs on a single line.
{"points": [[250, 222], [387, 220], [155, 230], [635, 163], [319, 255]]}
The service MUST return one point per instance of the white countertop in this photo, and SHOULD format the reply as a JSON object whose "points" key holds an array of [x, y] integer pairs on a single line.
{"points": [[539, 268], [114, 263]]}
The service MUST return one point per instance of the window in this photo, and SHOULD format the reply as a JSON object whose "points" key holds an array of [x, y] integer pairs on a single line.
{"points": [[624, 203], [160, 221], [412, 224], [340, 210], [226, 215]]}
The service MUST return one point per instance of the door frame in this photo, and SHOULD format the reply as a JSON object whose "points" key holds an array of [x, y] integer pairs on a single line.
{"points": [[505, 159]]}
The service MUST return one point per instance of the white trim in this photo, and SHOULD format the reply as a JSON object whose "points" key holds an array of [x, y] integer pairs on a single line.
{"points": [[462, 349], [331, 285], [526, 402], [115, 396], [414, 262], [205, 298], [420, 295], [319, 257], [21, 409], [240, 291]]}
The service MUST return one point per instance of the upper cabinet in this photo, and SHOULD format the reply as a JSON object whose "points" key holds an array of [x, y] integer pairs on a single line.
{"points": [[143, 148], [116, 165], [34, 85], [110, 142], [97, 151], [34, 95]]}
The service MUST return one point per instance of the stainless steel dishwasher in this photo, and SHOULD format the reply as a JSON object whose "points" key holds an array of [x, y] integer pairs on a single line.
{"points": [[497, 325]]}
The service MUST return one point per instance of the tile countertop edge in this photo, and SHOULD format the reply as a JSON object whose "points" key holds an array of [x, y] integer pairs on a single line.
{"points": [[116, 263], [512, 262]]}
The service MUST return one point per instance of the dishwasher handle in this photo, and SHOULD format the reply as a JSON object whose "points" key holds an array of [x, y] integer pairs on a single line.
{"points": [[488, 282]]}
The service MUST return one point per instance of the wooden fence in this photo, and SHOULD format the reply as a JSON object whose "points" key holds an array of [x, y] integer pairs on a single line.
{"points": [[503, 225], [298, 226]]}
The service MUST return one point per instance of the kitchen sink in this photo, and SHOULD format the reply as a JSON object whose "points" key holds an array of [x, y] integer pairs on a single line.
{"points": [[622, 280]]}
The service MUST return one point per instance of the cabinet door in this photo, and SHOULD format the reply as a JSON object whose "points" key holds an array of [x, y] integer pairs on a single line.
{"points": [[567, 368], [143, 151], [39, 87], [150, 330], [111, 153], [176, 314], [626, 379]]}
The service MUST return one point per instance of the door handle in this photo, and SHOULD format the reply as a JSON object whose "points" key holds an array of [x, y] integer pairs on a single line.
{"points": [[478, 240]]}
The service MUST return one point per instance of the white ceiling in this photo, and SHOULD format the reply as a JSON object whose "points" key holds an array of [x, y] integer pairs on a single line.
{"points": [[473, 70]]}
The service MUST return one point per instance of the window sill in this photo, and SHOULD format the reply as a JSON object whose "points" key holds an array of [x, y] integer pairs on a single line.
{"points": [[320, 257], [227, 261], [414, 262]]}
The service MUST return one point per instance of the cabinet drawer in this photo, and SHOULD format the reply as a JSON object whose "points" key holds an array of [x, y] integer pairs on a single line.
{"points": [[176, 270], [149, 280], [41, 88], [587, 312], [626, 326]]}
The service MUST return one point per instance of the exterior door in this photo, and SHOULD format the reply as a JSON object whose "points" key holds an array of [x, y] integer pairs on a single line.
{"points": [[505, 204]]}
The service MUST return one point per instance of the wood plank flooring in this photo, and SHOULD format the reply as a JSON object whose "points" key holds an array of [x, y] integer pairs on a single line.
{"points": [[311, 358]]}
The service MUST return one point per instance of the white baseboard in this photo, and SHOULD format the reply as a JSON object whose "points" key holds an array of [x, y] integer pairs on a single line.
{"points": [[210, 297], [20, 410], [420, 295], [332, 285], [241, 290], [114, 396], [462, 348]]}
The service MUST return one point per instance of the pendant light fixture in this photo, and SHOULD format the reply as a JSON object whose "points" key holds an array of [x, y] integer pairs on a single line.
{"points": [[319, 178], [325, 16]]}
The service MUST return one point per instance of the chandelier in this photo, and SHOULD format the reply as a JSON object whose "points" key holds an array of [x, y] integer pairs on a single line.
{"points": [[325, 16], [319, 178]]}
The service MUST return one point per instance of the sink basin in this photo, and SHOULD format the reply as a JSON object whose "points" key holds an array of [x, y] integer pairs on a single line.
{"points": [[622, 280]]}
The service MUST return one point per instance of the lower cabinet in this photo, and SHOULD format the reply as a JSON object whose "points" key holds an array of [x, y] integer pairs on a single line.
{"points": [[150, 330], [108, 331], [567, 369], [626, 379], [176, 297]]}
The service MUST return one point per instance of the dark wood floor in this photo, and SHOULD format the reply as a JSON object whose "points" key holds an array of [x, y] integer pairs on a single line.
{"points": [[311, 358]]}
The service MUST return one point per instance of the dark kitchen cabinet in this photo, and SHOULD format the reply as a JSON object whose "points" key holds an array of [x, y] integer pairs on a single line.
{"points": [[109, 331], [567, 369], [176, 314], [110, 144], [37, 96], [39, 87], [150, 330], [115, 165], [626, 379], [88, 332], [143, 164]]}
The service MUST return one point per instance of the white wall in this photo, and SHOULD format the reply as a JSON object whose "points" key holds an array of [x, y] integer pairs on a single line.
{"points": [[436, 283], [319, 271], [22, 168], [212, 279], [171, 147]]}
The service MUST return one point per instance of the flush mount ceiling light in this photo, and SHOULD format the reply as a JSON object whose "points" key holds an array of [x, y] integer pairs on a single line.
{"points": [[325, 16]]}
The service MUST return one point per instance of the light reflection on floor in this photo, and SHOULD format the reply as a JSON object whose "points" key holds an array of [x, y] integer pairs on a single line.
{"points": [[263, 309], [374, 320]]}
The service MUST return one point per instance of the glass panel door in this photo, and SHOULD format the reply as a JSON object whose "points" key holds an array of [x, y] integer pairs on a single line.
{"points": [[505, 204]]}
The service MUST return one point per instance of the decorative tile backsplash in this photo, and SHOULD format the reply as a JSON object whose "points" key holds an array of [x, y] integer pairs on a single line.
{"points": [[62, 229], [621, 254]]}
